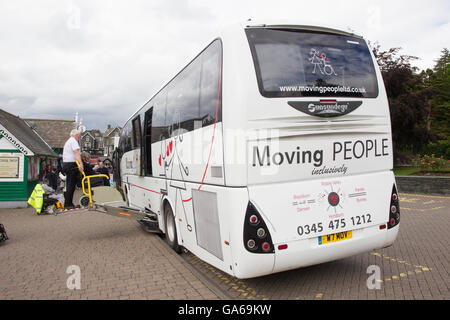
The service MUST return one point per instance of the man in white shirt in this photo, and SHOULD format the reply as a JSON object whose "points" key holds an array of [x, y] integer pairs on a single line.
{"points": [[71, 153]]}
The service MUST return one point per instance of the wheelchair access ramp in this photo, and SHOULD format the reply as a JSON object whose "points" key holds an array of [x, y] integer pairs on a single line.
{"points": [[119, 209], [109, 201]]}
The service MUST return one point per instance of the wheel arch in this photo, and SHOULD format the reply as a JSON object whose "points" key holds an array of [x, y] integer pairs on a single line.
{"points": [[164, 203]]}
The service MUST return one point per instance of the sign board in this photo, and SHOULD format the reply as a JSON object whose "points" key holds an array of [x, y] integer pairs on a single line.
{"points": [[9, 167]]}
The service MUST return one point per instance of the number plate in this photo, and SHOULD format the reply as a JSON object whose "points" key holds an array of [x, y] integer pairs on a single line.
{"points": [[335, 237]]}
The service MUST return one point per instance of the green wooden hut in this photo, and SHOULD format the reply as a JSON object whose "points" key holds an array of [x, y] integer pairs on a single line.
{"points": [[22, 152]]}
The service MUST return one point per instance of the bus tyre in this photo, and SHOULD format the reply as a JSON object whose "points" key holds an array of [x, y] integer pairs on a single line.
{"points": [[171, 230]]}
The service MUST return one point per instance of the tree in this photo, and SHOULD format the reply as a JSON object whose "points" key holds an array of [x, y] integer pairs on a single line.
{"points": [[439, 80], [408, 101]]}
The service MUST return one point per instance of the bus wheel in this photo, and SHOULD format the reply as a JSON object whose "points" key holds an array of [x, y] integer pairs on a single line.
{"points": [[171, 230]]}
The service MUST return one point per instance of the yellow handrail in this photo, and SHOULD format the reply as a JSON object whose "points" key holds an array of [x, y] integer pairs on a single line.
{"points": [[89, 193]]}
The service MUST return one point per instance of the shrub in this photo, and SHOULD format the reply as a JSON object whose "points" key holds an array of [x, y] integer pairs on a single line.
{"points": [[430, 162], [439, 149]]}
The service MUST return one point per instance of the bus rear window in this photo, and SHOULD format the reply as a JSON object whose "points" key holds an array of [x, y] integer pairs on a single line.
{"points": [[294, 63]]}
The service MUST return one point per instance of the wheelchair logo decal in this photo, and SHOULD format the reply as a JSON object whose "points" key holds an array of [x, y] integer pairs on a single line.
{"points": [[322, 62]]}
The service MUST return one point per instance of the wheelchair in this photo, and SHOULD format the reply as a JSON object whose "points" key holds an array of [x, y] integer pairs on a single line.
{"points": [[50, 205], [94, 181], [89, 184]]}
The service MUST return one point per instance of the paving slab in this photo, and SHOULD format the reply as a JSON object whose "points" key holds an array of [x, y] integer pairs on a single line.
{"points": [[89, 255]]}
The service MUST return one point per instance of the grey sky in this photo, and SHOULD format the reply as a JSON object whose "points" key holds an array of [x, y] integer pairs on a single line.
{"points": [[104, 59]]}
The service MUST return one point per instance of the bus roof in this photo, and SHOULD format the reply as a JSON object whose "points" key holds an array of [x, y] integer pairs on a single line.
{"points": [[287, 24]]}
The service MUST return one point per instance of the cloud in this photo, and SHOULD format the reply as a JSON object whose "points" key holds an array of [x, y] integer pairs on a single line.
{"points": [[104, 59]]}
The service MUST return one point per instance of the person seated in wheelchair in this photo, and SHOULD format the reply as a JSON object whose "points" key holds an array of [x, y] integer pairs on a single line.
{"points": [[89, 171], [50, 195]]}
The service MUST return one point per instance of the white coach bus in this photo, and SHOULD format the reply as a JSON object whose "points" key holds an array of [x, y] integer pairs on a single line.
{"points": [[271, 150]]}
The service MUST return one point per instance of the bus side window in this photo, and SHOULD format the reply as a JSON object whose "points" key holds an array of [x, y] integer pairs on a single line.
{"points": [[137, 133], [193, 97], [136, 137], [159, 128], [183, 99], [209, 85], [147, 145], [125, 138]]}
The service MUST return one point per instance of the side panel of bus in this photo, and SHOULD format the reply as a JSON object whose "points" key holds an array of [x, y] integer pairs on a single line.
{"points": [[186, 159]]}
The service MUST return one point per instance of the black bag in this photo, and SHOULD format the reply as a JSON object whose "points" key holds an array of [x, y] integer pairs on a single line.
{"points": [[3, 235]]}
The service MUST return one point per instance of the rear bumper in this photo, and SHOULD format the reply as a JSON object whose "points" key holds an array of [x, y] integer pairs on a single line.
{"points": [[285, 207], [308, 252]]}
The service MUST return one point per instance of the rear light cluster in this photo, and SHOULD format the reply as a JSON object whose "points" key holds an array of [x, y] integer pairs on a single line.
{"points": [[394, 209], [256, 235]]}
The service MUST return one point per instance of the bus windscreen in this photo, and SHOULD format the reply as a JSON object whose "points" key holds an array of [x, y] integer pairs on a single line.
{"points": [[297, 63]]}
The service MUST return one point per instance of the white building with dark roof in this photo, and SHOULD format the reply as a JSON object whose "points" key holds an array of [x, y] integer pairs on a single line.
{"points": [[54, 132]]}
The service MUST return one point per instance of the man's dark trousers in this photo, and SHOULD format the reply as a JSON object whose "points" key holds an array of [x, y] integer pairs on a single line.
{"points": [[71, 171]]}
